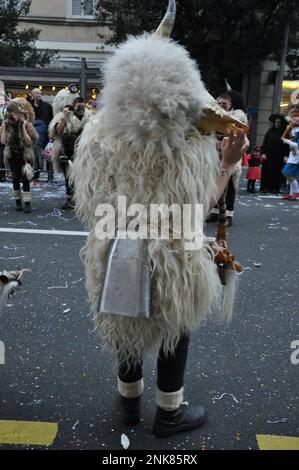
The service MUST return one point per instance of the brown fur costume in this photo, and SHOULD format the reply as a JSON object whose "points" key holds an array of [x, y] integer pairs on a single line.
{"points": [[24, 108]]}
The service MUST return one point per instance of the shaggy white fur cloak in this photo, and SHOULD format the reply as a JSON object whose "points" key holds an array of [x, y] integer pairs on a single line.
{"points": [[73, 125], [143, 144]]}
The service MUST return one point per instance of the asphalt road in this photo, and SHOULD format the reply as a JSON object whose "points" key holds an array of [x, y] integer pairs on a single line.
{"points": [[56, 371]]}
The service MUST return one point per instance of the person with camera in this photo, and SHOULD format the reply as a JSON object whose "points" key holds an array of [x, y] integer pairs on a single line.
{"points": [[64, 129], [18, 135]]}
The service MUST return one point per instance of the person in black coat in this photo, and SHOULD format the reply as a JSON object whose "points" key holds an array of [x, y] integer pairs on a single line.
{"points": [[274, 151], [43, 116]]}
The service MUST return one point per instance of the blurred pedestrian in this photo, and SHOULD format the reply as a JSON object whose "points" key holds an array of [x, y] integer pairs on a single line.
{"points": [[274, 151], [43, 116]]}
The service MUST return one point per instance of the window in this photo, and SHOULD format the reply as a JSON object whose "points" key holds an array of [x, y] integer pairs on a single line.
{"points": [[83, 7]]}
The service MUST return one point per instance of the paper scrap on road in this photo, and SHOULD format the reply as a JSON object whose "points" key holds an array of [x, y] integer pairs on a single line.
{"points": [[125, 442], [75, 425], [283, 420], [223, 394]]}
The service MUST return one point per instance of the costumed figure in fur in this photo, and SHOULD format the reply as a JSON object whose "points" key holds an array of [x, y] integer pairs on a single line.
{"points": [[19, 136], [232, 102], [70, 117], [153, 141], [9, 282]]}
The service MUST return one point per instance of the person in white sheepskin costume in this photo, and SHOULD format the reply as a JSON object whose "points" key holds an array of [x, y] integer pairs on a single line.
{"points": [[144, 143], [70, 117]]}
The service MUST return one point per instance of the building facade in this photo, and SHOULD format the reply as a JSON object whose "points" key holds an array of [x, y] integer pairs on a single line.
{"points": [[71, 28]]}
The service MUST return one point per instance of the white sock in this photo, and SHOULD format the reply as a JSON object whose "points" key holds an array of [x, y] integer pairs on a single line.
{"points": [[295, 186], [169, 401], [292, 188], [130, 390]]}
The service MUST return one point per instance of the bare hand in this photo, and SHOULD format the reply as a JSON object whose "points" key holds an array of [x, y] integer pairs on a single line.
{"points": [[233, 147], [66, 112]]}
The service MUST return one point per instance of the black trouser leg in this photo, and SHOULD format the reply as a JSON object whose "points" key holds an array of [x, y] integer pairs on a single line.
{"points": [[130, 374], [49, 166], [26, 184], [253, 185], [69, 188], [230, 196], [170, 368], [16, 184], [249, 186]]}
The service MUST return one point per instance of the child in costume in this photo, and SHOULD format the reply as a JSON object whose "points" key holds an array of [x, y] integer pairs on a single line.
{"points": [[254, 168], [291, 168]]}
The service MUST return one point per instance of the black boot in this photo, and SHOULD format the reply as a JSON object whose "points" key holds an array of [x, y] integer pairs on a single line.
{"points": [[68, 206], [212, 218], [130, 410], [27, 207], [229, 221], [18, 205], [185, 418]]}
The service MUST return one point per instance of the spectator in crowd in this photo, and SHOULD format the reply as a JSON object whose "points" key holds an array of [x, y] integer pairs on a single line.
{"points": [[19, 136], [274, 151], [2, 170], [65, 129], [254, 168], [291, 168], [43, 116]]}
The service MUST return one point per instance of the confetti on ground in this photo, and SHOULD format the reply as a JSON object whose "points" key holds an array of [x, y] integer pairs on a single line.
{"points": [[257, 265], [268, 442], [125, 442], [67, 310], [27, 432], [283, 420], [75, 425], [223, 394]]}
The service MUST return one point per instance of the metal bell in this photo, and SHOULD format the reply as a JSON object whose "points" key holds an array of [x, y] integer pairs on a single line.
{"points": [[126, 284]]}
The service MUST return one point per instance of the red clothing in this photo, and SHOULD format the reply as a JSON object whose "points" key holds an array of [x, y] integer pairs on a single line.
{"points": [[254, 167], [246, 157], [253, 173]]}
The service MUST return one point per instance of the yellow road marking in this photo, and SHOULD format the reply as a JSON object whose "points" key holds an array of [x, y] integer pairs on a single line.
{"points": [[27, 432], [268, 442]]}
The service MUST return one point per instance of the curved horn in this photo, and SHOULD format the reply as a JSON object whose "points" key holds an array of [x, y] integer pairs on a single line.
{"points": [[227, 85], [166, 25]]}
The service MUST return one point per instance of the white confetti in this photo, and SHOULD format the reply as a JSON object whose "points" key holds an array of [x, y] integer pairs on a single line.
{"points": [[223, 394], [75, 425], [67, 310], [125, 442], [283, 420]]}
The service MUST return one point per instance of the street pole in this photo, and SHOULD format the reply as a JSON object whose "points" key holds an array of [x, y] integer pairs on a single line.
{"points": [[83, 79], [280, 75]]}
